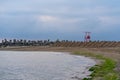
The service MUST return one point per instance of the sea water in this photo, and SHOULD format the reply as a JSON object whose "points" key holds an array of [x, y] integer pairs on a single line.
{"points": [[25, 65]]}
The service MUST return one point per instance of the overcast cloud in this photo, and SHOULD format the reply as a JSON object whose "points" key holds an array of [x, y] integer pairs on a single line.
{"points": [[63, 19]]}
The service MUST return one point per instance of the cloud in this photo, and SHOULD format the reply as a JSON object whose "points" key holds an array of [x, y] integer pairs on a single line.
{"points": [[47, 19], [56, 23], [110, 20], [35, 17]]}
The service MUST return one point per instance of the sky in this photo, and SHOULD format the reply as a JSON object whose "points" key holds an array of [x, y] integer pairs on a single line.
{"points": [[60, 19]]}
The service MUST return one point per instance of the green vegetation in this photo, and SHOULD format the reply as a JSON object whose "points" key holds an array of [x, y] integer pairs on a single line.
{"points": [[104, 70]]}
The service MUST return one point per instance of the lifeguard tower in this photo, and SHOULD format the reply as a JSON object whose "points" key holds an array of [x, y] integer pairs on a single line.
{"points": [[87, 36]]}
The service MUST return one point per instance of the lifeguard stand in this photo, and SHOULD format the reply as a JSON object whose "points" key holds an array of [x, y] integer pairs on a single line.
{"points": [[87, 36]]}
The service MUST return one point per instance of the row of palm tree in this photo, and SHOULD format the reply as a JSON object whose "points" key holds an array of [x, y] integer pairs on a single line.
{"points": [[22, 42]]}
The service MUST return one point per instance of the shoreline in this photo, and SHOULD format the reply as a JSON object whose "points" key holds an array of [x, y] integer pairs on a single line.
{"points": [[112, 53], [104, 68]]}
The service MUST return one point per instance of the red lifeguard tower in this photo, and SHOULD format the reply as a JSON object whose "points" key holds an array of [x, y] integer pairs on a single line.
{"points": [[87, 36]]}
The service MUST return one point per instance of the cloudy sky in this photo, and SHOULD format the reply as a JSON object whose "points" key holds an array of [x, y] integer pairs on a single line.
{"points": [[60, 19]]}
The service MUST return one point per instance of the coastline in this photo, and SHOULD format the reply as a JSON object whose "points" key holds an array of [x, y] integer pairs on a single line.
{"points": [[111, 53]]}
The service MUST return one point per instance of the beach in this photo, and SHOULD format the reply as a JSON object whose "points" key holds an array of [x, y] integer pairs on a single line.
{"points": [[112, 53]]}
